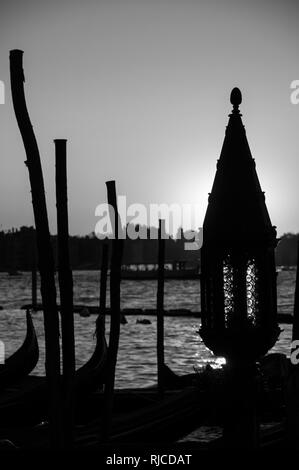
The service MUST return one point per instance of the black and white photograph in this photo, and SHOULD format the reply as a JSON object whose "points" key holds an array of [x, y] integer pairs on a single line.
{"points": [[149, 228]]}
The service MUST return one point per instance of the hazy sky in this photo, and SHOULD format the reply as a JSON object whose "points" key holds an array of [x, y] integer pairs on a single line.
{"points": [[141, 91]]}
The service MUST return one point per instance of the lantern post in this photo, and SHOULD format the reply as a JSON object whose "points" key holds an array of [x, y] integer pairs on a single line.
{"points": [[238, 278]]}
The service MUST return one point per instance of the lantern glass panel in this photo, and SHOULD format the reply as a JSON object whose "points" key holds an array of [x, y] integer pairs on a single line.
{"points": [[252, 291], [228, 289], [251, 278]]}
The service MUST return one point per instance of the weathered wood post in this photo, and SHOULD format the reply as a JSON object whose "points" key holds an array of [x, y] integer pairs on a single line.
{"points": [[103, 286], [115, 279], [292, 386], [65, 279], [44, 248], [160, 306], [295, 332], [33, 278]]}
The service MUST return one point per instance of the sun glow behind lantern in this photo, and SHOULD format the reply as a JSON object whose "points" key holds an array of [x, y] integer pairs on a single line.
{"points": [[216, 363]]}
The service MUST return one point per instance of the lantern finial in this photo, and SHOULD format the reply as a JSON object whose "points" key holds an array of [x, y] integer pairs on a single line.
{"points": [[236, 99]]}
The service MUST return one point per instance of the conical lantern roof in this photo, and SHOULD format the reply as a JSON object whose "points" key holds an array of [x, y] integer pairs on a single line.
{"points": [[237, 212]]}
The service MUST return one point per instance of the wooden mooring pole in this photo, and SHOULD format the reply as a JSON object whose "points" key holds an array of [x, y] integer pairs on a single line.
{"points": [[160, 306], [115, 279], [65, 279], [44, 248], [34, 278], [295, 332], [103, 286], [292, 386]]}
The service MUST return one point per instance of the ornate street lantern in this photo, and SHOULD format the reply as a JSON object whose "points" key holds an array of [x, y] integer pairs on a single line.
{"points": [[238, 276]]}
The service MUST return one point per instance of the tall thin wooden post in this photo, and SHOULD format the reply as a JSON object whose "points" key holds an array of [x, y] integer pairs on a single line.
{"points": [[103, 286], [160, 306], [65, 278], [33, 279], [295, 332], [44, 248], [292, 387], [115, 279]]}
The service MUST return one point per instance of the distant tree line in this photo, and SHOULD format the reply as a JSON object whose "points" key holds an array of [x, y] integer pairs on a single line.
{"points": [[17, 250]]}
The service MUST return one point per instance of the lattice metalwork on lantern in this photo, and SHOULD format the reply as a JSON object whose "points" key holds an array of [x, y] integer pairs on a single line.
{"points": [[251, 274], [238, 276], [252, 294], [228, 288]]}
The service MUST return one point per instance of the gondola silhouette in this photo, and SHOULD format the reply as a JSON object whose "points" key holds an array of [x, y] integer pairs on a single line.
{"points": [[22, 361], [26, 401]]}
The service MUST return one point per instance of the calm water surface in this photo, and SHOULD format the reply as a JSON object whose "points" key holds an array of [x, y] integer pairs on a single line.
{"points": [[136, 366]]}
